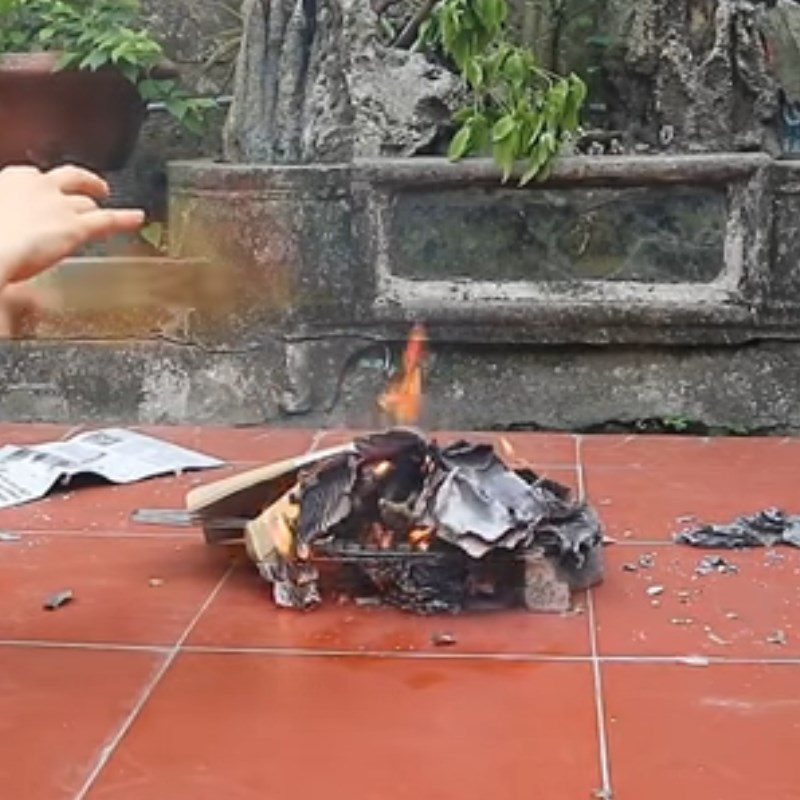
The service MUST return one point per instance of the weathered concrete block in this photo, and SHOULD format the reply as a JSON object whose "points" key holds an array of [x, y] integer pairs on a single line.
{"points": [[379, 243]]}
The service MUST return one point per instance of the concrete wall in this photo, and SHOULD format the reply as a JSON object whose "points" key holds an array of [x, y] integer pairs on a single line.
{"points": [[293, 288]]}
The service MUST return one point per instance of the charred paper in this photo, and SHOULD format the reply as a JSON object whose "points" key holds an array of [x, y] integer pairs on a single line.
{"points": [[427, 529]]}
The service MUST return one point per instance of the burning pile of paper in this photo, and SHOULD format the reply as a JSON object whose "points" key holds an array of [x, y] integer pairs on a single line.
{"points": [[416, 525]]}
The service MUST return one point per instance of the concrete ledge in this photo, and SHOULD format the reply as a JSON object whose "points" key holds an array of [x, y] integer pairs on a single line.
{"points": [[330, 237], [751, 387]]}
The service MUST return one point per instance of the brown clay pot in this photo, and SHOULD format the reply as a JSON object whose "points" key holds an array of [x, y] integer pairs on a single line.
{"points": [[49, 118]]}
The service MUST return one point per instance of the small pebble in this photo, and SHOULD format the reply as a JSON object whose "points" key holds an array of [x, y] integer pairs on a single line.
{"points": [[731, 615], [366, 602], [630, 567], [777, 637], [647, 560], [654, 591], [716, 639], [682, 621], [443, 639], [710, 564], [655, 603], [58, 600], [156, 582]]}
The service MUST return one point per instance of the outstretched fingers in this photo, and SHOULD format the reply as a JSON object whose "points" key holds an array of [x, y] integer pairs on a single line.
{"points": [[104, 222], [76, 180]]}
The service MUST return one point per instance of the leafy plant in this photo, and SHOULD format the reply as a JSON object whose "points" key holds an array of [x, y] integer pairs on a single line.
{"points": [[92, 34], [519, 110]]}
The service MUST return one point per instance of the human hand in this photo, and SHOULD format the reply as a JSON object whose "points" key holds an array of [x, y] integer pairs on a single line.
{"points": [[46, 216]]}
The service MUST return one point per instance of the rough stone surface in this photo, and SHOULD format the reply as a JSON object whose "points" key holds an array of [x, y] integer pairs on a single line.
{"points": [[693, 75], [315, 84], [650, 235], [159, 382], [467, 387], [781, 26]]}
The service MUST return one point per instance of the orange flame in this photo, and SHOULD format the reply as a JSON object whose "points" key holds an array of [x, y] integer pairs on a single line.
{"points": [[402, 399], [420, 538]]}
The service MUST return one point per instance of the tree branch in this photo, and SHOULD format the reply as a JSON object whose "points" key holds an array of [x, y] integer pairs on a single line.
{"points": [[408, 35]]}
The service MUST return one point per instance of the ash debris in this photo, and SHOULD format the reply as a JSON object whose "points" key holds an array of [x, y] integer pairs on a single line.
{"points": [[766, 528]]}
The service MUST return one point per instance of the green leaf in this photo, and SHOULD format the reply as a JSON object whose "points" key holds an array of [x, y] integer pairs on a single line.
{"points": [[549, 141], [459, 146], [537, 160], [427, 35], [500, 12], [481, 133], [67, 60], [130, 71], [463, 114], [536, 125], [529, 173], [474, 74], [503, 128], [95, 60], [177, 106], [505, 154], [153, 234], [514, 69], [485, 11], [557, 96], [545, 172], [574, 103]]}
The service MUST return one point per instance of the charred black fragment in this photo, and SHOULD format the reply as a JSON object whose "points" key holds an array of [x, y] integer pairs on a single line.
{"points": [[767, 528], [326, 497]]}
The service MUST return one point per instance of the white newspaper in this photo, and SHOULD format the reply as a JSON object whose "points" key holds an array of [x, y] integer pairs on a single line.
{"points": [[121, 456]]}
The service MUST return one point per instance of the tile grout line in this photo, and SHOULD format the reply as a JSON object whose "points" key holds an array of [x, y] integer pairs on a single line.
{"points": [[293, 652], [579, 472], [300, 652], [110, 748], [600, 713], [389, 655], [103, 647]]}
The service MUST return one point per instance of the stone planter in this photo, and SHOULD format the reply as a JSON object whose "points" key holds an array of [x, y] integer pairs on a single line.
{"points": [[78, 116]]}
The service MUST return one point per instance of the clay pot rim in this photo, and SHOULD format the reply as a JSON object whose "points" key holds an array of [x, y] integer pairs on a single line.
{"points": [[43, 62]]}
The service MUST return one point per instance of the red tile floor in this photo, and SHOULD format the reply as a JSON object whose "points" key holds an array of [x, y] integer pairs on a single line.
{"points": [[193, 686]]}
